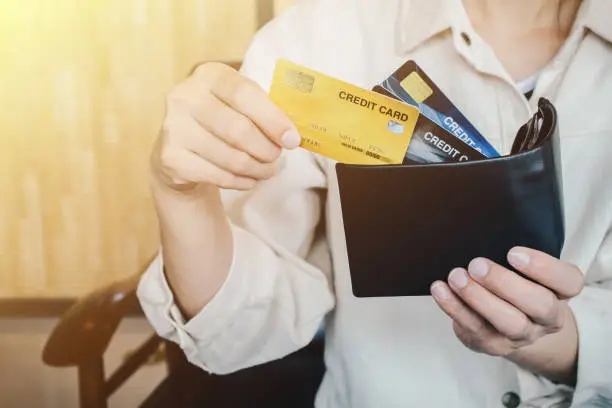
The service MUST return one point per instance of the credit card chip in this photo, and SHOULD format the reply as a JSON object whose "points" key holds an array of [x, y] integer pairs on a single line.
{"points": [[416, 87], [299, 80]]}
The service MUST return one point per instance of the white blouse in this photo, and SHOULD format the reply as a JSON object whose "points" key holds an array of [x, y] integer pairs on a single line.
{"points": [[285, 280]]}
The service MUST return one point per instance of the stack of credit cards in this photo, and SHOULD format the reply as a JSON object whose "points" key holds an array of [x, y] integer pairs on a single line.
{"points": [[404, 120]]}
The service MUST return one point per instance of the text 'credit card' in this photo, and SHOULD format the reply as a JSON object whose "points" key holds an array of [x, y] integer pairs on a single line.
{"points": [[342, 121]]}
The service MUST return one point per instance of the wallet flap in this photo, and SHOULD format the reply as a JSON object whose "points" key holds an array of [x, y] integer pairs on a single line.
{"points": [[537, 130]]}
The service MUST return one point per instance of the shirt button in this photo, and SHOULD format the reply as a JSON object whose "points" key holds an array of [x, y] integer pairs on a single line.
{"points": [[511, 400], [466, 38]]}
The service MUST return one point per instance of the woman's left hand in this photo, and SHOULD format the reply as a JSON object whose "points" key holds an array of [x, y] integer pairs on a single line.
{"points": [[498, 312]]}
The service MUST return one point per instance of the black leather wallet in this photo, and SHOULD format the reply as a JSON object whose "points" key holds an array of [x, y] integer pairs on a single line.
{"points": [[407, 226]]}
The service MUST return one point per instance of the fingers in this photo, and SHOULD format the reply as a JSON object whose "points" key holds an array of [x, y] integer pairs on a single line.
{"points": [[470, 327], [485, 341], [185, 165], [220, 128], [236, 130], [245, 96], [498, 311], [564, 279], [537, 302], [455, 308], [506, 318], [219, 153]]}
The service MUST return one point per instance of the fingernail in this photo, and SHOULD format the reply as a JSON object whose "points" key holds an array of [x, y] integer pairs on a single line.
{"points": [[439, 291], [519, 259], [458, 278], [478, 268], [291, 139]]}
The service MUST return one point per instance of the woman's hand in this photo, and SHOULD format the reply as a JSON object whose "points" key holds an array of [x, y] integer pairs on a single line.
{"points": [[498, 312], [220, 129]]}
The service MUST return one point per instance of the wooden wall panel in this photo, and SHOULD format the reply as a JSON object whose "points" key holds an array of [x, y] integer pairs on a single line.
{"points": [[82, 85]]}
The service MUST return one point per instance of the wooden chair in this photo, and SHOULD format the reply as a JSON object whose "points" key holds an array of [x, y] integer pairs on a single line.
{"points": [[84, 333]]}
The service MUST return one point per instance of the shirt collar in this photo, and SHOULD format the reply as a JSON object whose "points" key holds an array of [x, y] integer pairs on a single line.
{"points": [[595, 16], [419, 20]]}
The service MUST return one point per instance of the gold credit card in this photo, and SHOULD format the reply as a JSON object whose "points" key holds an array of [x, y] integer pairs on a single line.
{"points": [[342, 121]]}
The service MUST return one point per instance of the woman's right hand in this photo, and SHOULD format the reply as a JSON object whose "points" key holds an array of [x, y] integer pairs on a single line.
{"points": [[220, 129]]}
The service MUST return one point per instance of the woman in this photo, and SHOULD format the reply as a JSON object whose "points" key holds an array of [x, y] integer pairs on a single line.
{"points": [[247, 279]]}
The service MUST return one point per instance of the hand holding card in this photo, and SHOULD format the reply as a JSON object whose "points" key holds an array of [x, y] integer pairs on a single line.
{"points": [[355, 126], [342, 121]]}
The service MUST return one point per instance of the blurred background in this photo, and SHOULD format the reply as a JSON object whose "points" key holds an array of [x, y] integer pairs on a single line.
{"points": [[82, 87]]}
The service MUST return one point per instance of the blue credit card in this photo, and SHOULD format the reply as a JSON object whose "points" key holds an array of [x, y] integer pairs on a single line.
{"points": [[411, 85], [430, 143]]}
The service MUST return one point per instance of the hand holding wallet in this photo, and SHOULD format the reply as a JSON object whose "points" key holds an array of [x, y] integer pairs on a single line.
{"points": [[407, 226], [450, 200]]}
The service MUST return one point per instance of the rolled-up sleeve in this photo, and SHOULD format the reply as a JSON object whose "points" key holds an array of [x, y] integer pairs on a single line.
{"points": [[271, 304], [273, 300]]}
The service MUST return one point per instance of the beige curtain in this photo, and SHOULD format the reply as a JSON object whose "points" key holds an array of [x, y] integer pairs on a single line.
{"points": [[82, 85]]}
